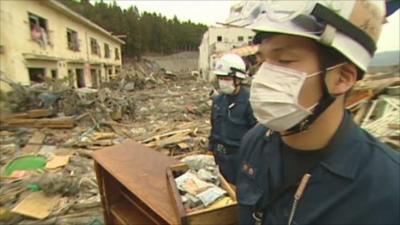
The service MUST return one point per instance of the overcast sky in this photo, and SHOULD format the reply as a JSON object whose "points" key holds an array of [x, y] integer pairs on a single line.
{"points": [[211, 12]]}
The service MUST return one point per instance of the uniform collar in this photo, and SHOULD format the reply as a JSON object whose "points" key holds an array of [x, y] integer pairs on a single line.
{"points": [[345, 157]]}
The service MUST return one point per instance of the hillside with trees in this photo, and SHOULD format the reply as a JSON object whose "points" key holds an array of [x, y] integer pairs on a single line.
{"points": [[145, 32]]}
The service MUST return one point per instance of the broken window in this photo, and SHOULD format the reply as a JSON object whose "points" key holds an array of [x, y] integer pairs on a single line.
{"points": [[94, 47], [106, 50], [54, 74], [240, 38], [71, 78], [95, 78], [80, 78], [72, 39], [116, 53], [117, 70], [36, 75], [39, 29], [219, 38]]}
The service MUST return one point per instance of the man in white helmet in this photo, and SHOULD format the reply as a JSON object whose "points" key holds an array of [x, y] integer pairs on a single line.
{"points": [[307, 162], [231, 114]]}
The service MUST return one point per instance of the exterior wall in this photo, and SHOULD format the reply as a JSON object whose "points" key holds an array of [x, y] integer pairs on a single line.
{"points": [[211, 45], [21, 51], [204, 56], [230, 35]]}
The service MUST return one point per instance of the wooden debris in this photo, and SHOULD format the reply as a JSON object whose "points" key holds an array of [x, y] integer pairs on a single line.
{"points": [[157, 137], [34, 144], [394, 126], [102, 135], [5, 133], [36, 205], [178, 138], [358, 117], [394, 142], [35, 113], [183, 145], [358, 97], [37, 138], [61, 122]]}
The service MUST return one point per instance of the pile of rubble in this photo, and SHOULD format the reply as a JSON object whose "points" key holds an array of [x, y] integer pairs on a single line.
{"points": [[112, 101], [60, 127], [44, 181], [138, 76], [375, 103]]}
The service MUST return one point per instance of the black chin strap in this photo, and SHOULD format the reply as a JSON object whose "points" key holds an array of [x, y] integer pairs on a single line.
{"points": [[326, 100]]}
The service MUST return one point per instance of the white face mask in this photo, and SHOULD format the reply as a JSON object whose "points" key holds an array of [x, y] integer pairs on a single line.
{"points": [[226, 86], [274, 96]]}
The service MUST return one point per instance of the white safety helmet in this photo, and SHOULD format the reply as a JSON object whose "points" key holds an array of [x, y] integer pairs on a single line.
{"points": [[230, 65], [352, 27]]}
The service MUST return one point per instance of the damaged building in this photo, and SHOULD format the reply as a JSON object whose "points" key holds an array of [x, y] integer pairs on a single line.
{"points": [[41, 39], [220, 39]]}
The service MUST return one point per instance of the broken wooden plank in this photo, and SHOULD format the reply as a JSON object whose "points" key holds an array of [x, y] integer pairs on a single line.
{"points": [[369, 113], [103, 135], [183, 145], [394, 126], [30, 149], [36, 205], [179, 157], [358, 117], [5, 133], [178, 138], [35, 113], [358, 97], [61, 122], [185, 131], [394, 142], [34, 143], [37, 138]]}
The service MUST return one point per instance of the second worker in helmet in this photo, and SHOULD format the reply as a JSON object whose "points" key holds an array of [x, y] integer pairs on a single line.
{"points": [[231, 114]]}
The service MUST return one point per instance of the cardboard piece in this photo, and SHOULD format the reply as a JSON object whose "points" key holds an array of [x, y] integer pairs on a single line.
{"points": [[58, 161], [37, 205]]}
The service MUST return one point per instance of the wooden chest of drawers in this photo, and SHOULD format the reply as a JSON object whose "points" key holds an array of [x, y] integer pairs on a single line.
{"points": [[133, 185]]}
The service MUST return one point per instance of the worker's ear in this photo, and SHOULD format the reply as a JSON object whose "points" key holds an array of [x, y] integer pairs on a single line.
{"points": [[340, 80]]}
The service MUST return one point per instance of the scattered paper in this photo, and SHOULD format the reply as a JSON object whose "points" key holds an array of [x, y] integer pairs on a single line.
{"points": [[210, 195], [188, 182]]}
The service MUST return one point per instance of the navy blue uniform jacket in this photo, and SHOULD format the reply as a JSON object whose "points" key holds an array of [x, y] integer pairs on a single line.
{"points": [[358, 183]]}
